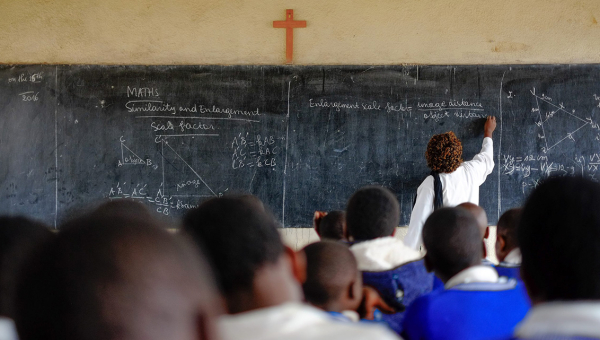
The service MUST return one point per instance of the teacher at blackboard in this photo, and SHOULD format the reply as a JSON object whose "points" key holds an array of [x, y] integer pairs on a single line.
{"points": [[452, 181]]}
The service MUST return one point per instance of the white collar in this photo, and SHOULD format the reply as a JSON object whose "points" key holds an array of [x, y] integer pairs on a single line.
{"points": [[514, 257], [481, 273], [383, 253], [562, 318], [295, 321], [8, 331]]}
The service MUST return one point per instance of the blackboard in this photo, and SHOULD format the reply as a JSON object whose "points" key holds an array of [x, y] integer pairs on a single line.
{"points": [[300, 138]]}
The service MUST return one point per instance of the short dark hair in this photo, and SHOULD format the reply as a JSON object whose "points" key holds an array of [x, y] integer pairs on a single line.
{"points": [[332, 225], [507, 226], [329, 266], [19, 236], [372, 212], [444, 153], [559, 236], [239, 237], [453, 240], [80, 286]]}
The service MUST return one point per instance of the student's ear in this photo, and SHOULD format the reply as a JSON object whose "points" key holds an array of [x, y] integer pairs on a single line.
{"points": [[500, 247], [428, 264], [484, 249], [297, 263], [317, 217], [394, 232], [487, 233]]}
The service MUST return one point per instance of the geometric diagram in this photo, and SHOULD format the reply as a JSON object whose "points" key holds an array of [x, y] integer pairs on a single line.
{"points": [[128, 157], [555, 131], [178, 162]]}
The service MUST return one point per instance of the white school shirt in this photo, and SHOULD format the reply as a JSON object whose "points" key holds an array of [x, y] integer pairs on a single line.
{"points": [[481, 273], [561, 319], [296, 321], [8, 331], [458, 187], [383, 254]]}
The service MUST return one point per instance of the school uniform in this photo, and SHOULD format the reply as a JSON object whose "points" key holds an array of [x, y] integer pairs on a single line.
{"points": [[438, 284], [8, 331], [511, 266], [396, 272], [475, 304], [458, 187], [296, 321], [561, 321]]}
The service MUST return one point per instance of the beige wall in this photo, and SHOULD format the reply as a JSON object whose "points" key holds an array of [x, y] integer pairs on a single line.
{"points": [[338, 32]]}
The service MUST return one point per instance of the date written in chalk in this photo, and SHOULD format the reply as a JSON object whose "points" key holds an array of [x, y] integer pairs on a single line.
{"points": [[29, 96]]}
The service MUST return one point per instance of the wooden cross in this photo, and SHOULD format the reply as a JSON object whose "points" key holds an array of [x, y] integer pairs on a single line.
{"points": [[289, 24]]}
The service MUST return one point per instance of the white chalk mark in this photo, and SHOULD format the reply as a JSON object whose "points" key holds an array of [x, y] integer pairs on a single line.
{"points": [[192, 135], [189, 166], [125, 146], [287, 138], [210, 118], [56, 149], [451, 108], [500, 144], [569, 135]]}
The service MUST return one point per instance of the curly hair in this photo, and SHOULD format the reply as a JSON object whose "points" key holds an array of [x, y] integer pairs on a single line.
{"points": [[444, 153]]}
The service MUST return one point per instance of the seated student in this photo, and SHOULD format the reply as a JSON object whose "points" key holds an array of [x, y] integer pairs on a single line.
{"points": [[334, 284], [559, 237], [116, 277], [394, 270], [507, 248], [482, 223], [259, 278], [331, 226], [19, 236], [475, 303]]}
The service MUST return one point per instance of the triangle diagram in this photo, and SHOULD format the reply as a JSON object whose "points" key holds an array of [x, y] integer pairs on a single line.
{"points": [[180, 179], [558, 124]]}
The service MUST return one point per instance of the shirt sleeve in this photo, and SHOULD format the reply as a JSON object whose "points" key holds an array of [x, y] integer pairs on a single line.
{"points": [[482, 164], [414, 325], [421, 211]]}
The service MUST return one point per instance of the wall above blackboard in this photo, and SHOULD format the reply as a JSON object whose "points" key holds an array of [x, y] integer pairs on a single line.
{"points": [[300, 138]]}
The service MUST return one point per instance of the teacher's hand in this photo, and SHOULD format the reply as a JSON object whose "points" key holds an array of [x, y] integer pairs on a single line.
{"points": [[490, 126]]}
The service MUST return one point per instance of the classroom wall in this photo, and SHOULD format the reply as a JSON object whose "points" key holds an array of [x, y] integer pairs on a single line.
{"points": [[338, 32]]}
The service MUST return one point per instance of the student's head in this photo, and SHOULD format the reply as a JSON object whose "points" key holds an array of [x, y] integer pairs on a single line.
{"points": [[19, 236], [332, 226], [453, 242], [444, 153], [333, 282], [123, 206], [559, 238], [482, 221], [251, 264], [372, 212], [114, 277], [506, 233]]}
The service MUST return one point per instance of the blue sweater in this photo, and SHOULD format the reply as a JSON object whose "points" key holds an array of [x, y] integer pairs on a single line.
{"points": [[467, 312], [399, 287]]}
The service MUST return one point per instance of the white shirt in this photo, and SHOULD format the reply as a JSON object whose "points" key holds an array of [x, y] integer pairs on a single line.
{"points": [[567, 319], [458, 187], [480, 273], [8, 331], [295, 321], [513, 258], [382, 254]]}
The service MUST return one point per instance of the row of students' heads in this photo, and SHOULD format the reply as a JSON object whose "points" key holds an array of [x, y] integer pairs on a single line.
{"points": [[557, 232]]}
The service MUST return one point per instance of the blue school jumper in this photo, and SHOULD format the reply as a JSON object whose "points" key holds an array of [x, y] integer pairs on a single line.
{"points": [[556, 337], [469, 311], [512, 271], [399, 287]]}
